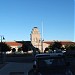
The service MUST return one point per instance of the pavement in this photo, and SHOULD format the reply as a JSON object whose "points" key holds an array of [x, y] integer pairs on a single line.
{"points": [[13, 68], [22, 65]]}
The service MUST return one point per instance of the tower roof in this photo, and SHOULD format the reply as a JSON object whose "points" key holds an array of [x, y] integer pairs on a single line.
{"points": [[35, 27]]}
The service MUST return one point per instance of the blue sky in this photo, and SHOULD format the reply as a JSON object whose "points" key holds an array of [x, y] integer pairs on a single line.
{"points": [[18, 17]]}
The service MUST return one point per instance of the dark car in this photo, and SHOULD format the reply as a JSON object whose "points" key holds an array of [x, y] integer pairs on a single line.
{"points": [[46, 64]]}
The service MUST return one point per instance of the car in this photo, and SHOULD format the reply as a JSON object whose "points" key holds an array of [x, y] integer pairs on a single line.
{"points": [[55, 54], [46, 64], [70, 53]]}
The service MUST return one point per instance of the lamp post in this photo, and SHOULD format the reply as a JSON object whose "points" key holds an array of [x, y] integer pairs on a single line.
{"points": [[2, 38], [39, 44]]}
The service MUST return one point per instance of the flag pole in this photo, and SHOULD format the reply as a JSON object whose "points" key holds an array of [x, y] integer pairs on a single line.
{"points": [[42, 38]]}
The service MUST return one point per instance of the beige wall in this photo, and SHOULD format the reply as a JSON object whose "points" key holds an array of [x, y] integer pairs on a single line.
{"points": [[45, 45], [35, 37], [16, 47]]}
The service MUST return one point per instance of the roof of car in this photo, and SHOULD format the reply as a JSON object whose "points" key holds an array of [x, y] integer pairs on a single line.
{"points": [[42, 54], [45, 55]]}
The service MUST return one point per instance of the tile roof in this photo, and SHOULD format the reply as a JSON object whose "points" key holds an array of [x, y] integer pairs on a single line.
{"points": [[13, 44], [62, 42]]}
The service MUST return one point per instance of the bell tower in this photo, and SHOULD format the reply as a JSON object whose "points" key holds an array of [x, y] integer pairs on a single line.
{"points": [[35, 38]]}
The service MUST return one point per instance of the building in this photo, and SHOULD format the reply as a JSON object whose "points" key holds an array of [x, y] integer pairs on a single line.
{"points": [[14, 45], [35, 38], [37, 41]]}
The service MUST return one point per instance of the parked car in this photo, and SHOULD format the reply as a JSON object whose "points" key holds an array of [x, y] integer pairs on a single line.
{"points": [[70, 53], [46, 64]]}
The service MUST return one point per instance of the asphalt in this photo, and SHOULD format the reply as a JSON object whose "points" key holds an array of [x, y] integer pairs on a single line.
{"points": [[13, 68], [22, 65]]}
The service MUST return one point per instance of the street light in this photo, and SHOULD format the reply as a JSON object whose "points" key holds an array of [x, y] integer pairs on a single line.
{"points": [[2, 38]]}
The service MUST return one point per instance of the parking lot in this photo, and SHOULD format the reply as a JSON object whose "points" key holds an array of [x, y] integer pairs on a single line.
{"points": [[22, 65], [13, 68]]}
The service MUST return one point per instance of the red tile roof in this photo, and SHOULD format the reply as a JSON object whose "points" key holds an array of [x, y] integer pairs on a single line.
{"points": [[62, 42], [48, 42], [13, 44]]}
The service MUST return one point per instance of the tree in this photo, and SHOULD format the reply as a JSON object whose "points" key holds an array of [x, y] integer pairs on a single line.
{"points": [[50, 47], [19, 49], [46, 49], [37, 50], [4, 47], [13, 50], [70, 49], [25, 47], [55, 45]]}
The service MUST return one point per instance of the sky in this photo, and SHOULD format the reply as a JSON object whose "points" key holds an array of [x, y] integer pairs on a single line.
{"points": [[18, 17]]}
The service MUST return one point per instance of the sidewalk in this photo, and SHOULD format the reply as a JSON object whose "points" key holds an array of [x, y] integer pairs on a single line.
{"points": [[22, 68], [2, 65]]}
